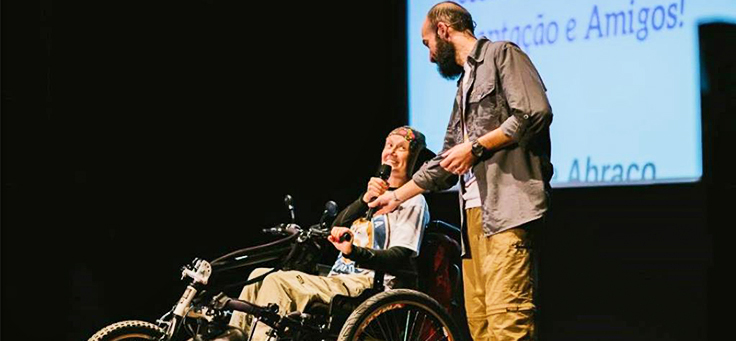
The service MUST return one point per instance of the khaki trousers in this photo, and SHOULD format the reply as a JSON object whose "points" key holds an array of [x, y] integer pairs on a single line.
{"points": [[498, 282], [292, 291]]}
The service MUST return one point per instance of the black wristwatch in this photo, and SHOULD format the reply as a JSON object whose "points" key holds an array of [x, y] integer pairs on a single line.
{"points": [[477, 149]]}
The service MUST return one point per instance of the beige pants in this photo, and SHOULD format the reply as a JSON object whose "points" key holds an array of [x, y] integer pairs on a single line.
{"points": [[292, 291], [498, 283]]}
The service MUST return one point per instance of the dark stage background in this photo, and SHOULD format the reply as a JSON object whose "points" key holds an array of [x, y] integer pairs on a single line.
{"points": [[139, 135]]}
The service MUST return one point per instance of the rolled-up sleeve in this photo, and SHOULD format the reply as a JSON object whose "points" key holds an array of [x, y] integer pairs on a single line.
{"points": [[525, 94], [432, 177]]}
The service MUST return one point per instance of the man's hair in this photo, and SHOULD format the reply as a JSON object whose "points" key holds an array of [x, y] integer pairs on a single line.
{"points": [[452, 14]]}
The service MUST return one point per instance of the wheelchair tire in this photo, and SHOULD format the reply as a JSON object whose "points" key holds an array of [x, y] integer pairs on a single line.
{"points": [[128, 331], [400, 314]]}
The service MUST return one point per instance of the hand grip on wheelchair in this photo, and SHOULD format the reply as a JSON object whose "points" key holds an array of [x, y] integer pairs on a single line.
{"points": [[281, 229], [324, 233], [221, 301], [244, 306]]}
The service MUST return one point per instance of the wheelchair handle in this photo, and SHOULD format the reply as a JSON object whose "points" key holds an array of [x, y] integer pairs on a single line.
{"points": [[324, 233]]}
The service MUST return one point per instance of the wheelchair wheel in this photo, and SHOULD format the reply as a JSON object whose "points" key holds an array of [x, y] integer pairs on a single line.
{"points": [[128, 331], [400, 314]]}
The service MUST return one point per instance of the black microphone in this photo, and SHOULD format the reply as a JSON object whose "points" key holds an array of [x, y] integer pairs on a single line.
{"points": [[384, 172]]}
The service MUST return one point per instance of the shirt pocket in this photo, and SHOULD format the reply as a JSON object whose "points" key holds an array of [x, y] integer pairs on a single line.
{"points": [[483, 109]]}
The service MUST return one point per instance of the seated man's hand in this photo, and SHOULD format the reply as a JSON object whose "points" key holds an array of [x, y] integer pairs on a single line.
{"points": [[376, 187], [346, 246]]}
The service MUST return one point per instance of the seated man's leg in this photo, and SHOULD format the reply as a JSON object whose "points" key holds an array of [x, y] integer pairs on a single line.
{"points": [[293, 290], [248, 294]]}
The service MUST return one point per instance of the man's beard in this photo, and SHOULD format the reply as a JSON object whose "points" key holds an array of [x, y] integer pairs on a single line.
{"points": [[445, 60]]}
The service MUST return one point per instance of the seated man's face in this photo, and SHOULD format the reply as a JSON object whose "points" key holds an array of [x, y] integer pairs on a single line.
{"points": [[395, 154]]}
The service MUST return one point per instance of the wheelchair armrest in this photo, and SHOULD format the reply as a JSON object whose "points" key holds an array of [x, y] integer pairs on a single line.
{"points": [[439, 226]]}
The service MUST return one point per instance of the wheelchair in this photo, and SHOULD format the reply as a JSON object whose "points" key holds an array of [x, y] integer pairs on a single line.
{"points": [[432, 311]]}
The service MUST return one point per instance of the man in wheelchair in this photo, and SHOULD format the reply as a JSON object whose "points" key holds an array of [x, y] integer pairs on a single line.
{"points": [[387, 243]]}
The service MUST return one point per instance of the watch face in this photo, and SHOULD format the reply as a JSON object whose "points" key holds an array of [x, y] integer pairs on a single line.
{"points": [[477, 149]]}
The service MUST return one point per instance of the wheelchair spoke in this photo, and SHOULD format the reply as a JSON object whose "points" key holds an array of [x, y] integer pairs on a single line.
{"points": [[397, 325], [391, 326], [405, 321], [434, 331], [413, 325], [406, 325], [383, 331], [376, 333], [371, 335], [421, 326]]}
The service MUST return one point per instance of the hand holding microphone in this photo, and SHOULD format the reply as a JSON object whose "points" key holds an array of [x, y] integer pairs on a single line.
{"points": [[376, 187]]}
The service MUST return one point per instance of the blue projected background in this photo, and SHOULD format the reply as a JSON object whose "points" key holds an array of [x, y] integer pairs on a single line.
{"points": [[622, 77]]}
